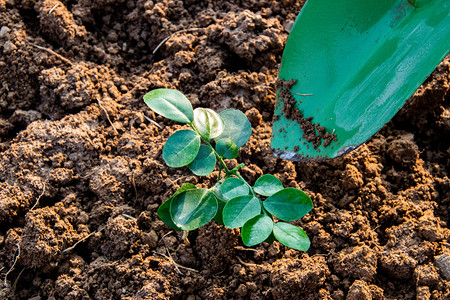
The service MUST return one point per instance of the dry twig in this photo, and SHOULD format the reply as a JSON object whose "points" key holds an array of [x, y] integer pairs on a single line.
{"points": [[301, 94], [53, 53]]}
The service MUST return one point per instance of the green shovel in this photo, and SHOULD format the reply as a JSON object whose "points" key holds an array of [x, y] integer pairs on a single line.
{"points": [[348, 67]]}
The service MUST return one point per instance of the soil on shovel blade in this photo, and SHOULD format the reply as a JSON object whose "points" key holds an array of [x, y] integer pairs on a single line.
{"points": [[81, 172]]}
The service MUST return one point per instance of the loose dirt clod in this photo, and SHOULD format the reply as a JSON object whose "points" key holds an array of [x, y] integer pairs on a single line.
{"points": [[312, 132]]}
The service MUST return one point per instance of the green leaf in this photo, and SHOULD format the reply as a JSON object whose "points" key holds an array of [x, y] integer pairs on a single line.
{"points": [[171, 104], [267, 185], [185, 187], [236, 127], [256, 230], [233, 187], [227, 148], [204, 163], [208, 123], [164, 214], [239, 210], [181, 148], [291, 236], [192, 209], [289, 204], [218, 193], [164, 209]]}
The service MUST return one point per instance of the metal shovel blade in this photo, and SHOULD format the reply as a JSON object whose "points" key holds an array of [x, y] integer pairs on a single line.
{"points": [[348, 67]]}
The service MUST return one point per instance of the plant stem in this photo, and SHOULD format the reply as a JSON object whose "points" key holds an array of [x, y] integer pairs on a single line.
{"points": [[221, 162], [249, 186], [228, 172]]}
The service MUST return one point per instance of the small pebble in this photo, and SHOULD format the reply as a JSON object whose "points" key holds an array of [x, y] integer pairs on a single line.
{"points": [[443, 264], [4, 31], [9, 47]]}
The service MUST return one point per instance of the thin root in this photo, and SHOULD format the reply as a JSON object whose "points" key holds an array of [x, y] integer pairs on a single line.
{"points": [[245, 249], [37, 201], [134, 185], [129, 217], [162, 238], [88, 174], [167, 38], [87, 136], [177, 266], [107, 116], [53, 8], [82, 240], [153, 122], [244, 263], [13, 265], [17, 279]]}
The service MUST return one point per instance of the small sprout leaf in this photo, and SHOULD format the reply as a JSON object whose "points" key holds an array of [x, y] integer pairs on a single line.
{"points": [[208, 123], [227, 148], [233, 187], [164, 209], [289, 204], [204, 163], [192, 209], [267, 185], [239, 210], [181, 148], [171, 104], [231, 202], [237, 127], [291, 236], [256, 230]]}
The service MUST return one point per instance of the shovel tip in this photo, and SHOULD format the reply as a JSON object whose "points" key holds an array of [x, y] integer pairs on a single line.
{"points": [[299, 157]]}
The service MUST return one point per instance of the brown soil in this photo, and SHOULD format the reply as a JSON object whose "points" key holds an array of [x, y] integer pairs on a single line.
{"points": [[81, 165]]}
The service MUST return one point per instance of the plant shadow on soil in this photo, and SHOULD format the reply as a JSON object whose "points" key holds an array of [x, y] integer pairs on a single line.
{"points": [[73, 129]]}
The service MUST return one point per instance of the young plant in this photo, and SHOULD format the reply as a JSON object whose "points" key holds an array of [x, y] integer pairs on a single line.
{"points": [[232, 201]]}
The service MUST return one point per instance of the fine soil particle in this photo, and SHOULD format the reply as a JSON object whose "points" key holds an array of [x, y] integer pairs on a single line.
{"points": [[82, 175], [312, 132]]}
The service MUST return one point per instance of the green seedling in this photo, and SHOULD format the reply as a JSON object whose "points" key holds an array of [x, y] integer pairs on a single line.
{"points": [[259, 210]]}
